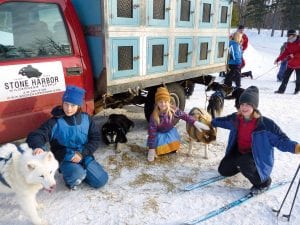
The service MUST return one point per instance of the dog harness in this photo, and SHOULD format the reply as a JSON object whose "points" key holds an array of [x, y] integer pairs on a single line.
{"points": [[2, 180]]}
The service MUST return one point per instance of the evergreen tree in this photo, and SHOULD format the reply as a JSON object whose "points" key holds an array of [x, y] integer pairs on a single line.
{"points": [[256, 11], [235, 17], [291, 14]]}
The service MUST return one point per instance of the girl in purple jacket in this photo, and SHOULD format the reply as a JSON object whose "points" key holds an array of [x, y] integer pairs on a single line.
{"points": [[163, 136]]}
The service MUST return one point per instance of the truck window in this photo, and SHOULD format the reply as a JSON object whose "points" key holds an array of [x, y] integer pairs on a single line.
{"points": [[125, 57], [30, 30], [185, 10], [203, 50], [206, 13], [124, 9], [157, 55], [159, 9], [221, 49], [224, 12], [183, 53]]}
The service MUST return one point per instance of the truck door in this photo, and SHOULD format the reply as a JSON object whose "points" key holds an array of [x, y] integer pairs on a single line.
{"points": [[37, 59]]}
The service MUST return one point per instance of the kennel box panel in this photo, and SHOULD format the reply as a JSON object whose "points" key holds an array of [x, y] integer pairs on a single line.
{"points": [[125, 57], [158, 13], [183, 52], [185, 13], [206, 17], [224, 14], [204, 50], [221, 49], [157, 54], [124, 12]]}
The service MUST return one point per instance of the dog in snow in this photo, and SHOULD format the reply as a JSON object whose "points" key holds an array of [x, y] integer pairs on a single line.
{"points": [[25, 174], [235, 94], [115, 129], [206, 136], [216, 100]]}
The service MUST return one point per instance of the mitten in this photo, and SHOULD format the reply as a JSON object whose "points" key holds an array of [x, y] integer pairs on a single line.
{"points": [[151, 155], [201, 126], [297, 149]]}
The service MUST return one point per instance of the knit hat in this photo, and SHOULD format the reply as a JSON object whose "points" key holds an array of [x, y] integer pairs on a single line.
{"points": [[162, 93], [73, 95], [241, 27], [291, 32], [250, 96]]}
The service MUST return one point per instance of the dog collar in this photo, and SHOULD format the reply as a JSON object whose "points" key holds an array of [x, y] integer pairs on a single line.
{"points": [[2, 180]]}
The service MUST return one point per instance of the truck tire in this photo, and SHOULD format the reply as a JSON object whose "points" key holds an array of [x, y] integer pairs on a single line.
{"points": [[149, 104], [177, 95]]}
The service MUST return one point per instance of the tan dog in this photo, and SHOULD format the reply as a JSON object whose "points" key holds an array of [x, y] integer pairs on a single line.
{"points": [[206, 136]]}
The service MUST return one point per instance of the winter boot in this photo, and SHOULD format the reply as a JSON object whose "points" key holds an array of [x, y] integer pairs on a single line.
{"points": [[255, 190], [278, 92]]}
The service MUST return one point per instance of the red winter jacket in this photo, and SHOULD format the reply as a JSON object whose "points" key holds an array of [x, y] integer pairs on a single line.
{"points": [[292, 54], [244, 42]]}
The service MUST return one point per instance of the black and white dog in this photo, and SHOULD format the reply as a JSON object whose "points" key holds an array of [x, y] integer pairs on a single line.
{"points": [[235, 94], [216, 100], [115, 129]]}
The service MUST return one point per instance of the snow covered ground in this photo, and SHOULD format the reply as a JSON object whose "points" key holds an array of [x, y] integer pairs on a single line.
{"points": [[142, 193]]}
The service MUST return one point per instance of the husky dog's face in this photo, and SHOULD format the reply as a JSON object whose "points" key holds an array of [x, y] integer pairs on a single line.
{"points": [[40, 169], [111, 135]]}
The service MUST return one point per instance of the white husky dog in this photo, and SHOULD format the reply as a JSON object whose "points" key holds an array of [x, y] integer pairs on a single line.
{"points": [[25, 174]]}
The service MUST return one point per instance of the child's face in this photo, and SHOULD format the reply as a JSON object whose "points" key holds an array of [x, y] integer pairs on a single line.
{"points": [[246, 110], [69, 108], [163, 105]]}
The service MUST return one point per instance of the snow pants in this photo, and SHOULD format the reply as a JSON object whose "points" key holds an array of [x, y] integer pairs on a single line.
{"points": [[90, 171], [234, 75], [236, 162], [286, 79], [282, 69]]}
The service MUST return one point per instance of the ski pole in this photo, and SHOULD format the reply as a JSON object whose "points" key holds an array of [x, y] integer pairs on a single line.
{"points": [[289, 215], [278, 210]]}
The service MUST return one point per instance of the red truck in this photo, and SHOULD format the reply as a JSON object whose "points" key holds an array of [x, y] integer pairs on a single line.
{"points": [[119, 51]]}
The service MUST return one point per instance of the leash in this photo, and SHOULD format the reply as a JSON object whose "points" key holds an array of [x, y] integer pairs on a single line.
{"points": [[263, 74], [2, 180], [206, 99]]}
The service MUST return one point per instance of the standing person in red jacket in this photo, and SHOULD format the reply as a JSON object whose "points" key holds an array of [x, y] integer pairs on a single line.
{"points": [[244, 42], [292, 54], [244, 37]]}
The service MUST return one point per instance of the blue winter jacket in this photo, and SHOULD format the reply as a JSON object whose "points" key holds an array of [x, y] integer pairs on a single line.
{"points": [[67, 135], [235, 53], [266, 136]]}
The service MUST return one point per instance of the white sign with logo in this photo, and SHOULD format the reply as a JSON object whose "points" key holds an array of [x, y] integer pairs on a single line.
{"points": [[28, 80]]}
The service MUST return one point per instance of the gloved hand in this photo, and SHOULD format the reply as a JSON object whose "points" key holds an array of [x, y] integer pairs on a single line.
{"points": [[297, 149], [151, 155], [201, 126]]}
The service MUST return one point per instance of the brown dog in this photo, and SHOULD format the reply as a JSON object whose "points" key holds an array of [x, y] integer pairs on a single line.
{"points": [[206, 136]]}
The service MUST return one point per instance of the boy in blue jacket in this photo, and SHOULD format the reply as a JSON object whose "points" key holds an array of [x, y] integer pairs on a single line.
{"points": [[251, 141], [73, 138]]}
